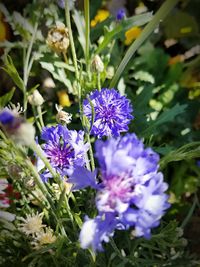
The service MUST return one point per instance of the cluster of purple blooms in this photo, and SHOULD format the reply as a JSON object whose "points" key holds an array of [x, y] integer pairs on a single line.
{"points": [[130, 191], [112, 112], [64, 148]]}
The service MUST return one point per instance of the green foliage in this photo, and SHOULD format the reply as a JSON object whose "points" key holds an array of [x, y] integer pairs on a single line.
{"points": [[13, 73], [6, 98]]}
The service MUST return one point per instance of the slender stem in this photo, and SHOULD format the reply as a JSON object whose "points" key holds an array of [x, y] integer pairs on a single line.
{"points": [[158, 17], [65, 57], [36, 148], [99, 81], [45, 192], [91, 153], [67, 16], [36, 119], [87, 32], [39, 110], [41, 185], [27, 64]]}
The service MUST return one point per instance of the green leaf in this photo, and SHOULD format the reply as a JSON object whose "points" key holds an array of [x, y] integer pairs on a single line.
{"points": [[6, 98], [123, 27], [165, 117], [58, 74], [13, 73], [189, 151]]}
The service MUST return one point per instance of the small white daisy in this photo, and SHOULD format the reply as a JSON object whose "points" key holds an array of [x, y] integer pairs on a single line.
{"points": [[32, 224], [44, 237]]}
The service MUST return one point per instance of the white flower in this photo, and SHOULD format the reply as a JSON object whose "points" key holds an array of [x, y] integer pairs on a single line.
{"points": [[32, 224], [25, 134], [7, 216], [4, 200], [3, 185], [87, 233], [63, 116], [44, 237]]}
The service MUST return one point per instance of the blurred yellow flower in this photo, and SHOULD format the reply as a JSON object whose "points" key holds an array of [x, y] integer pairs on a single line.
{"points": [[63, 99], [176, 59], [132, 34], [3, 29], [101, 15]]}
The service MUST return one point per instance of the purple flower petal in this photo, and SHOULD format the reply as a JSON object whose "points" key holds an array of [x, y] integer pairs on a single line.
{"points": [[82, 178]]}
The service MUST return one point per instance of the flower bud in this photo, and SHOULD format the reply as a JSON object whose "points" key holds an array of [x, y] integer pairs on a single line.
{"points": [[58, 38], [110, 72], [97, 64], [36, 99]]}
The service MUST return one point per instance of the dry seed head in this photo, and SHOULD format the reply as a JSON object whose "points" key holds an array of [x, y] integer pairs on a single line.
{"points": [[58, 38]]}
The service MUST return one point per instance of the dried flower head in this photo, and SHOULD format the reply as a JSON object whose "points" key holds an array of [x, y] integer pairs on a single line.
{"points": [[58, 38], [32, 224]]}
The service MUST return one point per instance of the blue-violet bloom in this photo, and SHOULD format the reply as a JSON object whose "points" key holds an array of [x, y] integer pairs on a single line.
{"points": [[112, 112], [131, 192], [64, 148], [61, 4], [120, 14]]}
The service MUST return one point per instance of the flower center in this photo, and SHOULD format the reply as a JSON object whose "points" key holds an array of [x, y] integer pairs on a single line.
{"points": [[61, 156], [116, 192]]}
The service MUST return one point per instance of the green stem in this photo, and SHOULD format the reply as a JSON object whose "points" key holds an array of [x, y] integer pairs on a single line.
{"points": [[67, 16], [99, 81], [39, 110], [27, 60], [46, 194], [150, 27], [91, 153], [36, 148], [87, 32], [36, 119]]}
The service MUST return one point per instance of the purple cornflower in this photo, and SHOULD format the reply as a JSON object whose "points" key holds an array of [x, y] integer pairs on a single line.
{"points": [[112, 112], [64, 148], [16, 127], [120, 14], [61, 4], [9, 120], [131, 191]]}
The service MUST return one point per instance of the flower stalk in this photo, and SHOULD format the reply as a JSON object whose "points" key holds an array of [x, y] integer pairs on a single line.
{"points": [[68, 22]]}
